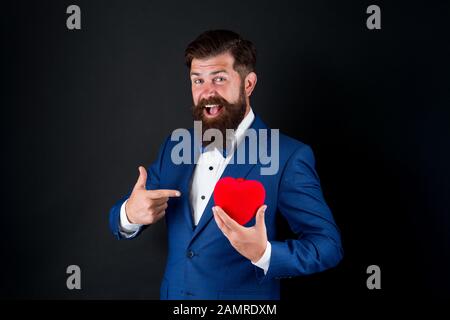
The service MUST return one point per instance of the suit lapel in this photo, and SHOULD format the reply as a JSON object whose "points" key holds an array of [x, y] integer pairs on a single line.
{"points": [[187, 171]]}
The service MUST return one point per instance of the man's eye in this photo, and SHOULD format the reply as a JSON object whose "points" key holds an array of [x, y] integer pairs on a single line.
{"points": [[198, 81], [219, 79]]}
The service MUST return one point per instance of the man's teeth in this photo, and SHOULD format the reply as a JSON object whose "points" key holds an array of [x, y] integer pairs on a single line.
{"points": [[212, 108]]}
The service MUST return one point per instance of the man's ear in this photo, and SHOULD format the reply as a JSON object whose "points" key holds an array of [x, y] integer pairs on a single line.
{"points": [[250, 83]]}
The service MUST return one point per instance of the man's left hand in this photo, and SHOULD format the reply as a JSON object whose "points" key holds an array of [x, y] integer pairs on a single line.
{"points": [[250, 242]]}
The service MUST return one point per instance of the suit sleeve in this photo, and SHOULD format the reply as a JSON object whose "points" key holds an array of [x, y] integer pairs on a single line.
{"points": [[300, 200], [153, 180]]}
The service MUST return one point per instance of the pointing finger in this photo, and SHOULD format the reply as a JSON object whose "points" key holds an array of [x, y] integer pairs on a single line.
{"points": [[163, 193]]}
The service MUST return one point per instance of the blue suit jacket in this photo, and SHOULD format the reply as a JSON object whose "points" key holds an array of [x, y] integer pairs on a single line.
{"points": [[201, 262]]}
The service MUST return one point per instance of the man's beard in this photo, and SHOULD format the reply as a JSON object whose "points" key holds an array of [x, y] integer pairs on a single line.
{"points": [[230, 115]]}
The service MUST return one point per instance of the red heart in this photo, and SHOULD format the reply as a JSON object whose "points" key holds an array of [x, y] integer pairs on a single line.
{"points": [[239, 198]]}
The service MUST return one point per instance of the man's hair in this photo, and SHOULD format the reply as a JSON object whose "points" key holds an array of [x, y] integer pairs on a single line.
{"points": [[214, 42]]}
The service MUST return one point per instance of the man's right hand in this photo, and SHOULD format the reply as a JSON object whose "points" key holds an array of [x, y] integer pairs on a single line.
{"points": [[147, 206]]}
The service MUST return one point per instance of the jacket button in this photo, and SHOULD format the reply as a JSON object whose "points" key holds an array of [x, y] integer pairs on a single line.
{"points": [[190, 254]]}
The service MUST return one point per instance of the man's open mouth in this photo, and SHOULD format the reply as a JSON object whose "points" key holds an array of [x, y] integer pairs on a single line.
{"points": [[212, 110]]}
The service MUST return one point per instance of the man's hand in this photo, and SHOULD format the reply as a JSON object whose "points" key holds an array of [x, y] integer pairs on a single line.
{"points": [[147, 206], [249, 242]]}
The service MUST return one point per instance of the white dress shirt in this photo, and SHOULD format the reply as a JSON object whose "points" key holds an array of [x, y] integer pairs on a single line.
{"points": [[208, 171]]}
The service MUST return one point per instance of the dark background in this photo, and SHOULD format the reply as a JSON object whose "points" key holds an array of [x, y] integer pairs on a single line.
{"points": [[82, 109]]}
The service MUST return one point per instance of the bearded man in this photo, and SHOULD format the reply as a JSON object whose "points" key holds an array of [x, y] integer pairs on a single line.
{"points": [[210, 255]]}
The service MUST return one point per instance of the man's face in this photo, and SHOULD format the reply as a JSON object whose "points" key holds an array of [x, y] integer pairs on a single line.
{"points": [[217, 92]]}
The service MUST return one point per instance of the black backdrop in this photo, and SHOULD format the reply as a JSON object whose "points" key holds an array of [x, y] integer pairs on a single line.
{"points": [[82, 109]]}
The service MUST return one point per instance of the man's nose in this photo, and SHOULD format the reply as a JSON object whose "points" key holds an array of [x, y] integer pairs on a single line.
{"points": [[209, 91]]}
